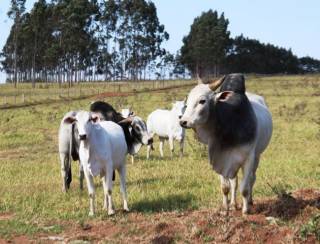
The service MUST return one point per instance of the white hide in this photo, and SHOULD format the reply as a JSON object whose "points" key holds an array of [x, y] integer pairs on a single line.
{"points": [[105, 145], [165, 124], [126, 112]]}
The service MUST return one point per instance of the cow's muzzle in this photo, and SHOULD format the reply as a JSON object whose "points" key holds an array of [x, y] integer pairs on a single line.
{"points": [[83, 137], [184, 124]]}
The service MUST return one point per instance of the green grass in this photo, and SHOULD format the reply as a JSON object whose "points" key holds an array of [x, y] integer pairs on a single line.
{"points": [[30, 183]]}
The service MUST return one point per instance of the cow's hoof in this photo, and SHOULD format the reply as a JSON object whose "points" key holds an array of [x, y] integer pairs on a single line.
{"points": [[245, 212], [234, 207], [111, 212], [127, 210]]}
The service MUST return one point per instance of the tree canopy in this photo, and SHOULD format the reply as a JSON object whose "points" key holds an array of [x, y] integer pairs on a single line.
{"points": [[75, 40], [89, 40]]}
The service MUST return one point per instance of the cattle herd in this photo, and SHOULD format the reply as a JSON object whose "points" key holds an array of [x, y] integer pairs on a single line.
{"points": [[235, 124]]}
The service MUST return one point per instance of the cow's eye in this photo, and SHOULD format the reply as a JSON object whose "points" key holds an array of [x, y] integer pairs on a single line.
{"points": [[202, 101], [137, 128]]}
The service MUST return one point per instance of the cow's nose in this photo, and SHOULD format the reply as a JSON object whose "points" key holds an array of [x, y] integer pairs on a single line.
{"points": [[183, 123], [83, 137], [150, 141]]}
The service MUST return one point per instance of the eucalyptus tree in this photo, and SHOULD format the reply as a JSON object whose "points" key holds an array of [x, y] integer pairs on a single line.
{"points": [[205, 47], [15, 12]]}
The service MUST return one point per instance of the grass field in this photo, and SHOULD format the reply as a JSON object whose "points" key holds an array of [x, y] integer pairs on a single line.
{"points": [[31, 201]]}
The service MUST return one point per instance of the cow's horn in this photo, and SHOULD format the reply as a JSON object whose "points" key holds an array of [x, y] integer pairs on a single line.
{"points": [[215, 84], [126, 120], [200, 81]]}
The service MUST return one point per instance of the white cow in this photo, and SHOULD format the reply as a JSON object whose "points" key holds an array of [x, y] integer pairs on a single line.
{"points": [[236, 126], [102, 150], [165, 124]]}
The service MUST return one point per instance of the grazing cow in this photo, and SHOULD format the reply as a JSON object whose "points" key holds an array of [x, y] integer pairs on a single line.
{"points": [[102, 150], [135, 129], [237, 128], [165, 124], [69, 149]]}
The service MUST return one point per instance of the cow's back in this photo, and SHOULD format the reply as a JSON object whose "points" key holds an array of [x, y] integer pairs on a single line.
{"points": [[158, 122]]}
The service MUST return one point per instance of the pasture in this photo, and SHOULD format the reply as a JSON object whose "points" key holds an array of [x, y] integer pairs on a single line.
{"points": [[171, 199]]}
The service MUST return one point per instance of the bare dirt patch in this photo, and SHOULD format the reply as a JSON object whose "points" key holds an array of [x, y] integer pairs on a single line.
{"points": [[272, 221]]}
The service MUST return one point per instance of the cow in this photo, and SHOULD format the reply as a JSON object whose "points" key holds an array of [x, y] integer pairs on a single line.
{"points": [[69, 149], [134, 127], [236, 126], [102, 150], [165, 124]]}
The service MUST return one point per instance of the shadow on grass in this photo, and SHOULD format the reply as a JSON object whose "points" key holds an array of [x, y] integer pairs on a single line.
{"points": [[174, 202], [287, 207], [146, 181]]}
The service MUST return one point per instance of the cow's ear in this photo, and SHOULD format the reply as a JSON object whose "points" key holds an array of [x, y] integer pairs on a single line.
{"points": [[95, 118], [69, 120], [224, 96], [126, 121]]}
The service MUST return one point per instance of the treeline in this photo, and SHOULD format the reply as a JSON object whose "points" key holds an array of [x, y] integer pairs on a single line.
{"points": [[84, 40], [209, 50], [89, 40]]}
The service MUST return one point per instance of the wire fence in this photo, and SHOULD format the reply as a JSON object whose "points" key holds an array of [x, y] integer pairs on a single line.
{"points": [[46, 93]]}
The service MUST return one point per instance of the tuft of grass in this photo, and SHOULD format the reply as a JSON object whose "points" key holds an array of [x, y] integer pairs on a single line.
{"points": [[11, 227], [311, 228]]}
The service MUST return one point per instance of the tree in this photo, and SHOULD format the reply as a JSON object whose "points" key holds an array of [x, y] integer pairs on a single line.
{"points": [[15, 13], [204, 48]]}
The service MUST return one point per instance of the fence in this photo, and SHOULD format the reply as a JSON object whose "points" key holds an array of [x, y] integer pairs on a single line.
{"points": [[46, 93]]}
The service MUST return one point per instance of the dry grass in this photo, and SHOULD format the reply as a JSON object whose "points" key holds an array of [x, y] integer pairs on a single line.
{"points": [[30, 172]]}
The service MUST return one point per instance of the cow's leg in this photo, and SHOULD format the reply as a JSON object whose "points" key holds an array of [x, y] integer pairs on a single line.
{"points": [[171, 145], [225, 188], [161, 147], [181, 147], [234, 186], [253, 177], [123, 188], [91, 191], [109, 188], [245, 186], [132, 159], [65, 171], [148, 151], [81, 175]]}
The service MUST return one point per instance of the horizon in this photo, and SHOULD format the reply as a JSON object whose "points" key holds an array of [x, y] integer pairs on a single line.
{"points": [[288, 24]]}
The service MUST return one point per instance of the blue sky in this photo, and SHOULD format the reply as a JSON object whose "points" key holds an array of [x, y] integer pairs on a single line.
{"points": [[292, 24]]}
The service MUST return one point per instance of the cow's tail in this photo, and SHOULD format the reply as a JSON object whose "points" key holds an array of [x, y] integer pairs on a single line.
{"points": [[68, 168]]}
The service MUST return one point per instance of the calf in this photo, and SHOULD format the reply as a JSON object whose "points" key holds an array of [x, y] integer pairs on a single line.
{"points": [[102, 150], [236, 126], [165, 124]]}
